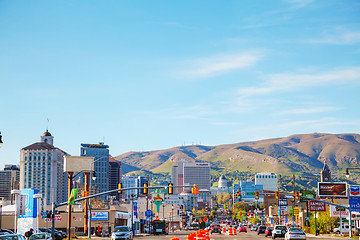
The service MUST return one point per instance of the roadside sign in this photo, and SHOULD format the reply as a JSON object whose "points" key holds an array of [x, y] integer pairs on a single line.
{"points": [[296, 211], [335, 189], [282, 202], [283, 208], [315, 206]]}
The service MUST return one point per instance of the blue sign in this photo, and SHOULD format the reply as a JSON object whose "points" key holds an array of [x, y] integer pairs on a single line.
{"points": [[354, 190], [31, 203], [286, 219], [282, 202], [135, 208], [103, 215], [354, 203], [283, 208], [148, 213]]}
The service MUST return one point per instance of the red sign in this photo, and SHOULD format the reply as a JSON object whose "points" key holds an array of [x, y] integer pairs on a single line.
{"points": [[337, 189], [205, 219], [316, 206], [57, 219]]}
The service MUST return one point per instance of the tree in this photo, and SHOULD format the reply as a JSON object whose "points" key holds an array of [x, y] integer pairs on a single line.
{"points": [[241, 206]]}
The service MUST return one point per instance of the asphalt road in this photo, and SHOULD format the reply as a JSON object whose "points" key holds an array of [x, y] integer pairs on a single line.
{"points": [[249, 235]]}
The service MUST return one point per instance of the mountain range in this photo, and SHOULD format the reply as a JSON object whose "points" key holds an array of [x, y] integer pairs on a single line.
{"points": [[286, 155]]}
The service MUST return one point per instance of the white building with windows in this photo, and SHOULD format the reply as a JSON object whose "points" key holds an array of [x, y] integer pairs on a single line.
{"points": [[269, 181], [42, 168]]}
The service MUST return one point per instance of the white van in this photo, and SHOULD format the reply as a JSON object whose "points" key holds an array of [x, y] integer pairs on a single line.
{"points": [[344, 229]]}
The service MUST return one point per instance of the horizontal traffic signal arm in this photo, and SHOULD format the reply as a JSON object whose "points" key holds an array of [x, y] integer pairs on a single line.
{"points": [[116, 190]]}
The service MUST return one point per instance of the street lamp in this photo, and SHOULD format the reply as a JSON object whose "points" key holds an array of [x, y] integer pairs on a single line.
{"points": [[89, 217], [1, 142], [347, 175]]}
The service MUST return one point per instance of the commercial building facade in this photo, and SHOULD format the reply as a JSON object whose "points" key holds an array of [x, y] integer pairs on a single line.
{"points": [[42, 168]]}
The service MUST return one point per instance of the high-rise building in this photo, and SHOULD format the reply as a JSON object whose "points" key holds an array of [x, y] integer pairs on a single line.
{"points": [[100, 152], [191, 173], [115, 174], [269, 181], [129, 182], [42, 168], [9, 180], [247, 190]]}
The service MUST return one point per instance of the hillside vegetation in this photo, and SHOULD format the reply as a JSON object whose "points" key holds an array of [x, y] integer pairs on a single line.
{"points": [[293, 154]]}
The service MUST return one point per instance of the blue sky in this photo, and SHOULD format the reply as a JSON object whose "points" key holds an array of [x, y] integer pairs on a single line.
{"points": [[149, 75]]}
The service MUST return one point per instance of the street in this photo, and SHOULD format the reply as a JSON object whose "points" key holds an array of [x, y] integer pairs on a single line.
{"points": [[249, 235]]}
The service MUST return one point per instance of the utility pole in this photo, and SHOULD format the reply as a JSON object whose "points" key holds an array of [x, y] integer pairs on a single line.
{"points": [[294, 205], [147, 201]]}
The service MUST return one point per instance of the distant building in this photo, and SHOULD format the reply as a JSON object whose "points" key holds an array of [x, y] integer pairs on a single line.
{"points": [[42, 168], [247, 190], [100, 152], [269, 181], [9, 180], [133, 181], [325, 175], [115, 174]]}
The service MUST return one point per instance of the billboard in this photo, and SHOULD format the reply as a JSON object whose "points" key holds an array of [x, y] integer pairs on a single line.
{"points": [[328, 189], [315, 206], [30, 203], [336, 212], [99, 215]]}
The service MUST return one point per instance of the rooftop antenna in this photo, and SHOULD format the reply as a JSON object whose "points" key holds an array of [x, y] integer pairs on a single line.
{"points": [[47, 124]]}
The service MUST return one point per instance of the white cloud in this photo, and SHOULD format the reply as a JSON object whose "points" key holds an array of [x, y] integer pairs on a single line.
{"points": [[309, 110], [299, 3], [286, 82], [207, 67], [338, 38]]}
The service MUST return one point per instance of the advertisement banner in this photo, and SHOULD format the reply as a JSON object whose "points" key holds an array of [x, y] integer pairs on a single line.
{"points": [[22, 203], [316, 206], [354, 190], [101, 215], [354, 204], [336, 212], [327, 189], [30, 203]]}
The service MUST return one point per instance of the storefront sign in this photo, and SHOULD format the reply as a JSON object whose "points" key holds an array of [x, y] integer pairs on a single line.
{"points": [[316, 206], [101, 215]]}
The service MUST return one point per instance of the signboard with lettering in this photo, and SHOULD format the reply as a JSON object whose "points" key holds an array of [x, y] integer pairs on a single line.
{"points": [[336, 212], [354, 190], [282, 202], [337, 189], [99, 215], [315, 206], [30, 203], [296, 211], [57, 219]]}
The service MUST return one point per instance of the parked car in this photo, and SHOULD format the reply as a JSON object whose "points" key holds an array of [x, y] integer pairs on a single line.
{"points": [[215, 228], [242, 229], [36, 236], [57, 234], [254, 228], [279, 231], [344, 229], [261, 229], [295, 233], [268, 231], [121, 232], [6, 231], [12, 237]]}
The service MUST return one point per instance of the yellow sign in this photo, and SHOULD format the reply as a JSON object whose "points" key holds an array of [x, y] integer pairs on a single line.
{"points": [[296, 211]]}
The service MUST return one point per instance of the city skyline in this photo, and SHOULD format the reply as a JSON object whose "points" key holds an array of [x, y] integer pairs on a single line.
{"points": [[144, 76]]}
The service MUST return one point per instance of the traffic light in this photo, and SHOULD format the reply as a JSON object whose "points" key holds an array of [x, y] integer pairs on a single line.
{"points": [[120, 187], [238, 195], [297, 195], [195, 190], [277, 195], [145, 190], [257, 195], [170, 189]]}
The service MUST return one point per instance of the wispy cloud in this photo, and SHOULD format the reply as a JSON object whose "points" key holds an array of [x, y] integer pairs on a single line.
{"points": [[338, 38], [299, 3], [215, 65], [286, 82], [309, 110]]}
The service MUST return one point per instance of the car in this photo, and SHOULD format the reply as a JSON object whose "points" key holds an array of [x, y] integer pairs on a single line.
{"points": [[279, 231], [121, 232], [12, 237], [242, 229], [261, 229], [6, 232], [344, 229], [253, 228], [36, 236], [268, 231], [215, 228], [295, 233], [58, 235]]}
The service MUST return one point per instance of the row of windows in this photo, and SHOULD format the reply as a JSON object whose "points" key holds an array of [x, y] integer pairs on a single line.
{"points": [[266, 176]]}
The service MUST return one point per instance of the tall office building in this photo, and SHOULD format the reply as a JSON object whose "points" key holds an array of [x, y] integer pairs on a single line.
{"points": [[100, 152], [42, 168], [269, 181], [9, 180], [115, 174], [191, 173], [247, 190]]}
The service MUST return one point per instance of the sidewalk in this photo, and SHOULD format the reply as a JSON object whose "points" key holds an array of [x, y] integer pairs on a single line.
{"points": [[325, 236]]}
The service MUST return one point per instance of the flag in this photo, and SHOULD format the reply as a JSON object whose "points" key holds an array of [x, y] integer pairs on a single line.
{"points": [[72, 196]]}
